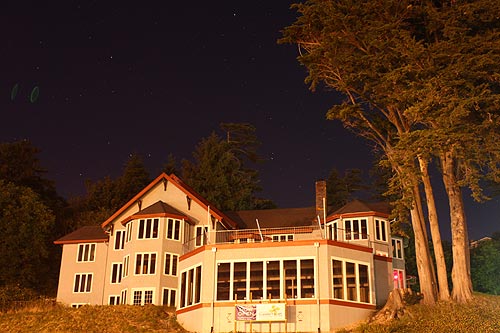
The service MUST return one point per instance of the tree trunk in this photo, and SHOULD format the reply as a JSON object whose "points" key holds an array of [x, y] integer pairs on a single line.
{"points": [[460, 274], [425, 266], [442, 277]]}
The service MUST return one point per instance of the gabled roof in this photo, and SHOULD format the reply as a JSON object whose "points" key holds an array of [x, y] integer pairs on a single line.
{"points": [[184, 188], [358, 208], [87, 234], [274, 218], [158, 209]]}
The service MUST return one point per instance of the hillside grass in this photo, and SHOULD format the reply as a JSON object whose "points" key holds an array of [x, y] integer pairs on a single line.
{"points": [[481, 315], [119, 318]]}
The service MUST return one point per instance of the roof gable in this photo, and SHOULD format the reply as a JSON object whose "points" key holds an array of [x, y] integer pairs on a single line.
{"points": [[180, 185]]}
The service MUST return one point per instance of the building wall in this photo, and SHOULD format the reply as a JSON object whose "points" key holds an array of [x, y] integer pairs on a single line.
{"points": [[70, 267], [303, 315]]}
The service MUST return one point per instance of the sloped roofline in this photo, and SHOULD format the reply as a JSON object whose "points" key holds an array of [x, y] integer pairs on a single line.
{"points": [[180, 185]]}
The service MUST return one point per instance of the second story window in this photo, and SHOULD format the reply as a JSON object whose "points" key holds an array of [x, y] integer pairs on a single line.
{"points": [[148, 229], [145, 264], [86, 252]]}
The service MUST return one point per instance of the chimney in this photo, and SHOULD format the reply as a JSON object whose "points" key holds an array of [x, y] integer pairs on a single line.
{"points": [[320, 197]]}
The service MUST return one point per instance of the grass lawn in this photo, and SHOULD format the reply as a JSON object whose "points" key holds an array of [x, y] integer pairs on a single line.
{"points": [[482, 315]]}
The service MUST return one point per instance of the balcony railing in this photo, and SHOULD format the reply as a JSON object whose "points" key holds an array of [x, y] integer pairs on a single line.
{"points": [[283, 234]]}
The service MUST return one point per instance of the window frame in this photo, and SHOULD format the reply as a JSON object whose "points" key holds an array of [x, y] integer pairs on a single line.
{"points": [[173, 229], [119, 243], [115, 277], [143, 292], [380, 230], [151, 269], [171, 299], [86, 286], [82, 255], [173, 264], [190, 286], [116, 300], [357, 280], [395, 241], [148, 228]]}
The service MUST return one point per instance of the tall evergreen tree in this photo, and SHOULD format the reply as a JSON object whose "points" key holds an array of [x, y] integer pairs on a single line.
{"points": [[220, 169]]}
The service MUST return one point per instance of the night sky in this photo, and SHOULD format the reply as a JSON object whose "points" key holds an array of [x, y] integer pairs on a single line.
{"points": [[116, 78]]}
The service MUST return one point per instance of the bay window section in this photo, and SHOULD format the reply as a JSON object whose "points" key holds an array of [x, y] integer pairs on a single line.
{"points": [[380, 230], [190, 292], [351, 281], [145, 264]]}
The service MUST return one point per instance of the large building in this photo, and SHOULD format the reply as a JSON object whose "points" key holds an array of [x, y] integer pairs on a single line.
{"points": [[299, 269]]}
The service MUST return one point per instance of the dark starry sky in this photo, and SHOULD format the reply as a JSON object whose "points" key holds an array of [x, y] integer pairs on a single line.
{"points": [[117, 77]]}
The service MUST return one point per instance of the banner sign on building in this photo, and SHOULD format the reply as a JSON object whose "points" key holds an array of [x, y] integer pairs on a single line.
{"points": [[260, 312]]}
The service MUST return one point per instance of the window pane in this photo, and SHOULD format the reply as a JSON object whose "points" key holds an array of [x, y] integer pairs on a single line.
{"points": [[290, 268], [148, 229], [240, 280], [137, 297], [86, 254], [175, 259], [384, 237], [82, 282], [257, 279], [351, 281], [223, 281], [355, 229], [182, 300], [197, 289], [152, 268], [307, 278], [377, 230], [273, 279], [190, 283], [80, 252], [155, 229], [92, 252], [338, 280], [148, 297], [364, 230], [145, 263], [364, 286], [172, 298], [167, 263], [138, 263], [76, 287], [89, 283], [177, 230], [165, 297], [118, 240], [141, 229], [170, 228], [348, 230]]}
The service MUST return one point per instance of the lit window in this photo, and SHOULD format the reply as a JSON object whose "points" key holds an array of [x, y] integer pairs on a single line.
{"points": [[86, 252]]}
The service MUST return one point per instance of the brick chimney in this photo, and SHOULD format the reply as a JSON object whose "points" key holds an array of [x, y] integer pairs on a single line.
{"points": [[320, 197]]}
